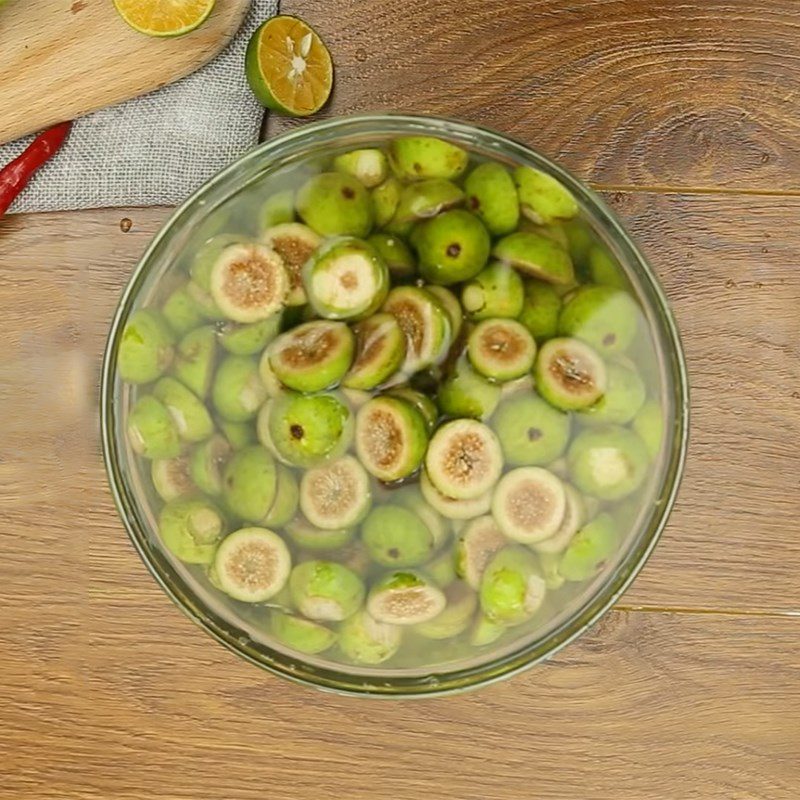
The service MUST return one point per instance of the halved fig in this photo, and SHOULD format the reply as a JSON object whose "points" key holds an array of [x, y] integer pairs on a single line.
{"points": [[537, 256], [189, 414], [295, 243], [542, 197], [206, 463], [301, 634], [590, 549], [191, 528], [501, 349], [512, 587], [249, 482], [405, 598], [496, 291], [395, 253], [171, 478], [325, 590], [420, 401], [424, 323], [464, 459], [380, 352], [368, 165], [252, 564], [249, 282], [391, 437], [456, 615], [569, 374], [366, 641], [415, 158], [574, 517], [194, 361], [335, 495], [426, 199], [312, 356], [477, 543], [287, 496], [528, 504], [309, 537], [451, 306]]}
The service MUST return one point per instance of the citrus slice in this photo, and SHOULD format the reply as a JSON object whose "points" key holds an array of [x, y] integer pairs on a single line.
{"points": [[164, 17], [288, 67]]}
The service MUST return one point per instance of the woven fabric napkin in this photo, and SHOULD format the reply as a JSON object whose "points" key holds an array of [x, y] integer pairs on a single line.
{"points": [[155, 149]]}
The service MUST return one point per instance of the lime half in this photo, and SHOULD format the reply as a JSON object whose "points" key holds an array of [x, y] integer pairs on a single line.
{"points": [[288, 67], [164, 17]]}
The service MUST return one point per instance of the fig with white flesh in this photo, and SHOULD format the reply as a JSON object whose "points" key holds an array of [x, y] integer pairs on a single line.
{"points": [[295, 243], [540, 309], [624, 395], [380, 352], [206, 463], [146, 347], [569, 374], [335, 204], [501, 349], [335, 495], [325, 590], [152, 432], [496, 291], [608, 462], [191, 418], [426, 199], [252, 564], [249, 482], [604, 317], [385, 198], [452, 247], [465, 393], [181, 312], [549, 563], [424, 323], [346, 279], [475, 547], [364, 640], [312, 356], [420, 401], [395, 253], [396, 536], [536, 256], [191, 529], [194, 360], [542, 197], [303, 635], [391, 437], [464, 459], [171, 479], [309, 537], [484, 631], [285, 502], [368, 165], [250, 338], [452, 508], [531, 431], [456, 616], [249, 282], [512, 587], [529, 504], [451, 306], [305, 430], [492, 197], [417, 158], [405, 598], [238, 392], [591, 548], [574, 517]]}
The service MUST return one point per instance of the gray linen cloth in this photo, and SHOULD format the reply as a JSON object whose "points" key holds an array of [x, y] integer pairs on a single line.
{"points": [[155, 149]]}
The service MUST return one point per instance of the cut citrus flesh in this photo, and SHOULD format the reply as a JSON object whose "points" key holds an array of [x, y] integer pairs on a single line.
{"points": [[288, 67], [164, 17]]}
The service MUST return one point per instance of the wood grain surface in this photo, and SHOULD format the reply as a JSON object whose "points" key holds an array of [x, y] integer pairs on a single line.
{"points": [[60, 59], [687, 114], [704, 93]]}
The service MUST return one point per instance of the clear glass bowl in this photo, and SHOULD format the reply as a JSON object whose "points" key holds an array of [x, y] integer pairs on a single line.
{"points": [[202, 603]]}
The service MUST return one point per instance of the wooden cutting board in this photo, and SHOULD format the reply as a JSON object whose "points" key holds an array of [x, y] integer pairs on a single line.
{"points": [[60, 59]]}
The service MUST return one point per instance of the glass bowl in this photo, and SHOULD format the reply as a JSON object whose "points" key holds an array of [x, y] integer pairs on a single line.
{"points": [[218, 205]]}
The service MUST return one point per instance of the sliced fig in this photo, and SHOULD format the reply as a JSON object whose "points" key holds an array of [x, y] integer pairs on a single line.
{"points": [[464, 459], [477, 543], [171, 478], [405, 598], [528, 504], [252, 564], [380, 352], [501, 349], [335, 495], [456, 616], [451, 306], [391, 437], [249, 282], [512, 587], [450, 507], [295, 243], [536, 256], [325, 590], [569, 374], [574, 517], [206, 463]]}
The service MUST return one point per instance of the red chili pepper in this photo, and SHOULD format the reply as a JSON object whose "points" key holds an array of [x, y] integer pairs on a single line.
{"points": [[14, 176]]}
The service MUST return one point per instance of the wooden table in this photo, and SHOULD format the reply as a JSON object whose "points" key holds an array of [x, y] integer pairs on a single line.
{"points": [[686, 116]]}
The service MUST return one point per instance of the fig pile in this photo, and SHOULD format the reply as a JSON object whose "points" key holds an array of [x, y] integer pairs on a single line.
{"points": [[413, 404]]}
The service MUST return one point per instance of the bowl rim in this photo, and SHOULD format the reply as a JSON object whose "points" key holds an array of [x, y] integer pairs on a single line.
{"points": [[462, 679]]}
